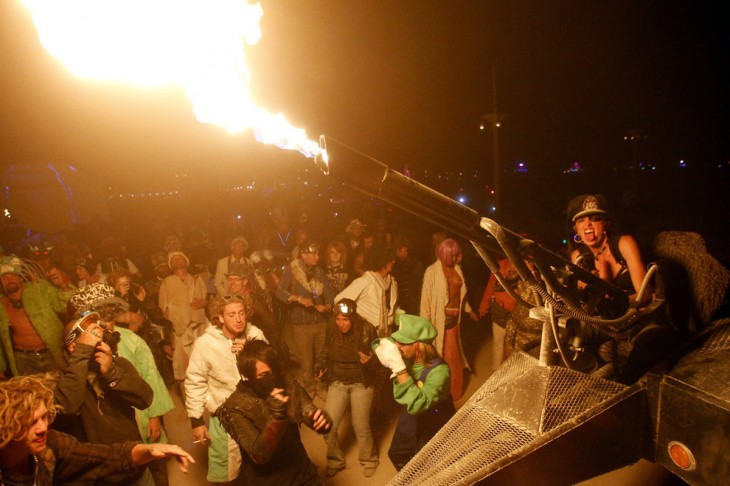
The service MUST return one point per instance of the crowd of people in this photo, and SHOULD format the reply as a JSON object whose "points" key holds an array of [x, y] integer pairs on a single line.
{"points": [[250, 340]]}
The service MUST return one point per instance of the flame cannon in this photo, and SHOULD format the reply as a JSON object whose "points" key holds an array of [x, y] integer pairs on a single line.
{"points": [[545, 413]]}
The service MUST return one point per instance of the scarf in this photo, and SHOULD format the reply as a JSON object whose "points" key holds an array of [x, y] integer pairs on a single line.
{"points": [[307, 278]]}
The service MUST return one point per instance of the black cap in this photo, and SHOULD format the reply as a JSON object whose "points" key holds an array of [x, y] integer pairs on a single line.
{"points": [[587, 204]]}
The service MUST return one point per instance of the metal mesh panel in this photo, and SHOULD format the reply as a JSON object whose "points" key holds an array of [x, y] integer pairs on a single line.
{"points": [[570, 393], [719, 340], [464, 448], [479, 439]]}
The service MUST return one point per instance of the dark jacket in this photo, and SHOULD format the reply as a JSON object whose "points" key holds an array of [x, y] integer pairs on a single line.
{"points": [[364, 334], [103, 403], [68, 461], [272, 450], [409, 275], [305, 281]]}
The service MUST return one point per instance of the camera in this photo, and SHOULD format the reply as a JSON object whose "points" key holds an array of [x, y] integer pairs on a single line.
{"points": [[112, 338]]}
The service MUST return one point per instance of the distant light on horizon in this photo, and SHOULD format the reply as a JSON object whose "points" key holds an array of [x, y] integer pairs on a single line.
{"points": [[682, 163]]}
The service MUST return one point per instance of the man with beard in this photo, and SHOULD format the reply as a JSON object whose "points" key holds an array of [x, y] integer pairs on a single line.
{"points": [[30, 453], [257, 311], [212, 376], [305, 287], [263, 417], [30, 330], [239, 245], [182, 299]]}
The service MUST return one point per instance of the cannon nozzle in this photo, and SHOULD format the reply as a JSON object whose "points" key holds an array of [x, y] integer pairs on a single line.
{"points": [[376, 179]]}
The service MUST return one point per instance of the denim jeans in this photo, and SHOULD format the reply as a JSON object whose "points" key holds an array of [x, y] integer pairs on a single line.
{"points": [[360, 400], [30, 363], [308, 342]]}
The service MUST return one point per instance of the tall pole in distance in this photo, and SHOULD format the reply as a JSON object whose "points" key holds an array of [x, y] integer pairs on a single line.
{"points": [[494, 120]]}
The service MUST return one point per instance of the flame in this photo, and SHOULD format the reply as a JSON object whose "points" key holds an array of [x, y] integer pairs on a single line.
{"points": [[196, 44]]}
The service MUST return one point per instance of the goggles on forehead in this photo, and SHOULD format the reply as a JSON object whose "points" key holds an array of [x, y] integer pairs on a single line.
{"points": [[232, 298], [80, 326]]}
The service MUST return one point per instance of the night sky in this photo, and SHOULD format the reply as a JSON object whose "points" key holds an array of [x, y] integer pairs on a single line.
{"points": [[405, 82]]}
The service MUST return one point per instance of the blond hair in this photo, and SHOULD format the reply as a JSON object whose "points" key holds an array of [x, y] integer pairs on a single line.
{"points": [[19, 398], [426, 353], [219, 302]]}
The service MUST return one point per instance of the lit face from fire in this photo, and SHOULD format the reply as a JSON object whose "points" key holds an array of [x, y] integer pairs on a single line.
{"points": [[12, 282], [344, 324], [401, 253], [238, 248], [262, 369], [592, 229], [368, 242], [408, 351], [81, 272], [34, 441], [310, 259], [235, 284], [335, 256], [356, 231], [122, 285], [233, 320], [178, 262], [91, 336]]}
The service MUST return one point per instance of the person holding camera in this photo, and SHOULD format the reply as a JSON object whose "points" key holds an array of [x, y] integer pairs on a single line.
{"points": [[100, 298], [263, 417], [99, 389]]}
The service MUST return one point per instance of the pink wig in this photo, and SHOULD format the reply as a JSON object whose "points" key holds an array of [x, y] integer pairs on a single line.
{"points": [[449, 252]]}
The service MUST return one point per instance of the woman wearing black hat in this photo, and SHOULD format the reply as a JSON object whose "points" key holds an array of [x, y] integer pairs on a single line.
{"points": [[613, 257], [347, 364]]}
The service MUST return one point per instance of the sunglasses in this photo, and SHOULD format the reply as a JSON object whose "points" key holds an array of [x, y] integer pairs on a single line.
{"points": [[594, 218]]}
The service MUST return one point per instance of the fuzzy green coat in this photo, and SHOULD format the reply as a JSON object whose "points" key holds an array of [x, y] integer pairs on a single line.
{"points": [[41, 301]]}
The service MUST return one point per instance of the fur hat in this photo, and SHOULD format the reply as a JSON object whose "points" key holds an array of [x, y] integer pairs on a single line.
{"points": [[242, 239], [28, 270], [11, 264], [174, 254], [94, 296], [353, 223]]}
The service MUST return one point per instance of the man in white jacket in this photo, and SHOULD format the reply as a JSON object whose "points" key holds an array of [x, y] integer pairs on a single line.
{"points": [[376, 291], [212, 375]]}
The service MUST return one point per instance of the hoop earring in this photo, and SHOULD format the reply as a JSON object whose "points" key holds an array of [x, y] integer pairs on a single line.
{"points": [[577, 238]]}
